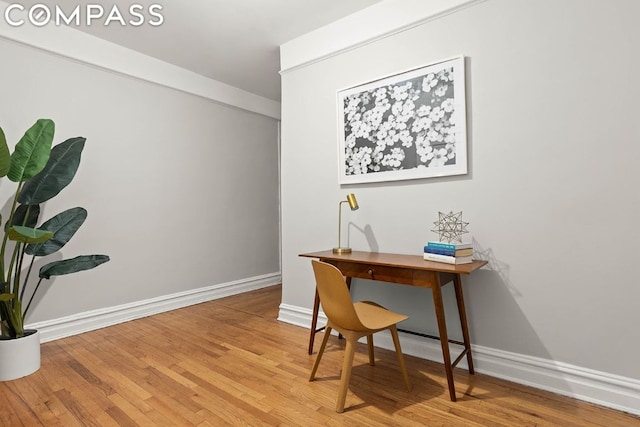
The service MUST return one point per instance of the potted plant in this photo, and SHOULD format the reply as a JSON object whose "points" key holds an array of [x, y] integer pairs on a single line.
{"points": [[40, 172]]}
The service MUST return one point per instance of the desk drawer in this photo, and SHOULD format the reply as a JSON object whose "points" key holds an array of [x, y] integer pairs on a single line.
{"points": [[376, 272]]}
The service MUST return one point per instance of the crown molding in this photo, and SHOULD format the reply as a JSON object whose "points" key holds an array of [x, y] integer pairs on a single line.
{"points": [[367, 26]]}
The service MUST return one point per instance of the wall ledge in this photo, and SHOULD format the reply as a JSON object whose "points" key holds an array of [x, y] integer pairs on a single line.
{"points": [[602, 388], [84, 48], [96, 319]]}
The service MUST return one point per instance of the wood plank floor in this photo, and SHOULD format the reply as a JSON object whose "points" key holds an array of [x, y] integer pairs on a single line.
{"points": [[230, 362]]}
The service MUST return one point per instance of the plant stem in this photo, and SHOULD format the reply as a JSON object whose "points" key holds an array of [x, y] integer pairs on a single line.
{"points": [[6, 236], [26, 279], [16, 250], [20, 248], [24, 314]]}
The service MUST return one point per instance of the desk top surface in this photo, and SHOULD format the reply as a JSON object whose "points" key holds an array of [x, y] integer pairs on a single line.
{"points": [[415, 262]]}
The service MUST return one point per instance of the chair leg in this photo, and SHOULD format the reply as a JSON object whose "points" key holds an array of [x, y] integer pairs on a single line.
{"points": [[327, 332], [403, 368], [372, 360], [346, 372]]}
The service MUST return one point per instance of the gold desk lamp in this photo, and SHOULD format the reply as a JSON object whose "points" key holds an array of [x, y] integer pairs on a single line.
{"points": [[353, 204]]}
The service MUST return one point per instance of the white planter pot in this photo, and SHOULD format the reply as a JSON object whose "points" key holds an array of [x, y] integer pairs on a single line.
{"points": [[19, 357]]}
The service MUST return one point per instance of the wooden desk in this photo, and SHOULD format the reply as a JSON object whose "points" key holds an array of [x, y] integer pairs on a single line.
{"points": [[407, 270]]}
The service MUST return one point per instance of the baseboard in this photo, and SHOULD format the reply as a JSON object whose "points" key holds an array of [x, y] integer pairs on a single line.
{"points": [[90, 320], [613, 391], [299, 316]]}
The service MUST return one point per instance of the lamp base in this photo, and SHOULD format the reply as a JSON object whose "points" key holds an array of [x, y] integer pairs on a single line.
{"points": [[341, 250]]}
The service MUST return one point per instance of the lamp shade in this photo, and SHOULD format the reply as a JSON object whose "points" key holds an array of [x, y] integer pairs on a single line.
{"points": [[353, 203]]}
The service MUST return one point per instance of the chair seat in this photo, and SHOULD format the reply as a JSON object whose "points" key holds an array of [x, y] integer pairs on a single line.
{"points": [[375, 317]]}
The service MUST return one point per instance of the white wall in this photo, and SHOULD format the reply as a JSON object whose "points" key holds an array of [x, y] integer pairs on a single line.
{"points": [[551, 195], [181, 190]]}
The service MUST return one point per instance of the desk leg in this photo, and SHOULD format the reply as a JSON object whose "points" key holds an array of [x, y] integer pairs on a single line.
{"points": [[457, 282], [314, 321], [444, 338]]}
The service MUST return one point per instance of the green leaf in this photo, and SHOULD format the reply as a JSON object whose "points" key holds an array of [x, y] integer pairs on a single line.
{"points": [[6, 297], [22, 234], [68, 266], [32, 151], [5, 156], [63, 226], [21, 212], [56, 175]]}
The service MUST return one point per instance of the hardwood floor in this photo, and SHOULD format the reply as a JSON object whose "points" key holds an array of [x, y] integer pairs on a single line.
{"points": [[230, 362]]}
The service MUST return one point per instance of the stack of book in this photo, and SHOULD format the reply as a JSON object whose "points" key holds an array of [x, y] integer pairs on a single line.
{"points": [[451, 253]]}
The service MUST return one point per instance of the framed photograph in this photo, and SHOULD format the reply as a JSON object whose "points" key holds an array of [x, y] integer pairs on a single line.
{"points": [[405, 126]]}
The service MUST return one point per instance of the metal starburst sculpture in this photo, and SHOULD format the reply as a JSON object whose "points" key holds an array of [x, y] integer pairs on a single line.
{"points": [[450, 227]]}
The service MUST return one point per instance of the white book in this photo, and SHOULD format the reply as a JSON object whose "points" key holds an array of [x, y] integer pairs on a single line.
{"points": [[448, 259]]}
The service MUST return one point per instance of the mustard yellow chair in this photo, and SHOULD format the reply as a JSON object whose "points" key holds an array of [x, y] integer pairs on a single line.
{"points": [[353, 321]]}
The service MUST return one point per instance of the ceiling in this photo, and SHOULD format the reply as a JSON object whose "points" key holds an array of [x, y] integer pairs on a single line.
{"points": [[232, 41]]}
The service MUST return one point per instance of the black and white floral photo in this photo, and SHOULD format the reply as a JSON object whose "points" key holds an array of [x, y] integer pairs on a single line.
{"points": [[407, 126]]}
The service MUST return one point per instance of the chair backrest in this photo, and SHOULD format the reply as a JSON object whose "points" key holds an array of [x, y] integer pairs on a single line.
{"points": [[334, 297]]}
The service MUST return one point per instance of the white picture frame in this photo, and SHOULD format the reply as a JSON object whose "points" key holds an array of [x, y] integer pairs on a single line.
{"points": [[409, 125]]}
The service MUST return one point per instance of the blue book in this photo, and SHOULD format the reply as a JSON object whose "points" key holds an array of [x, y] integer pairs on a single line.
{"points": [[440, 251]]}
